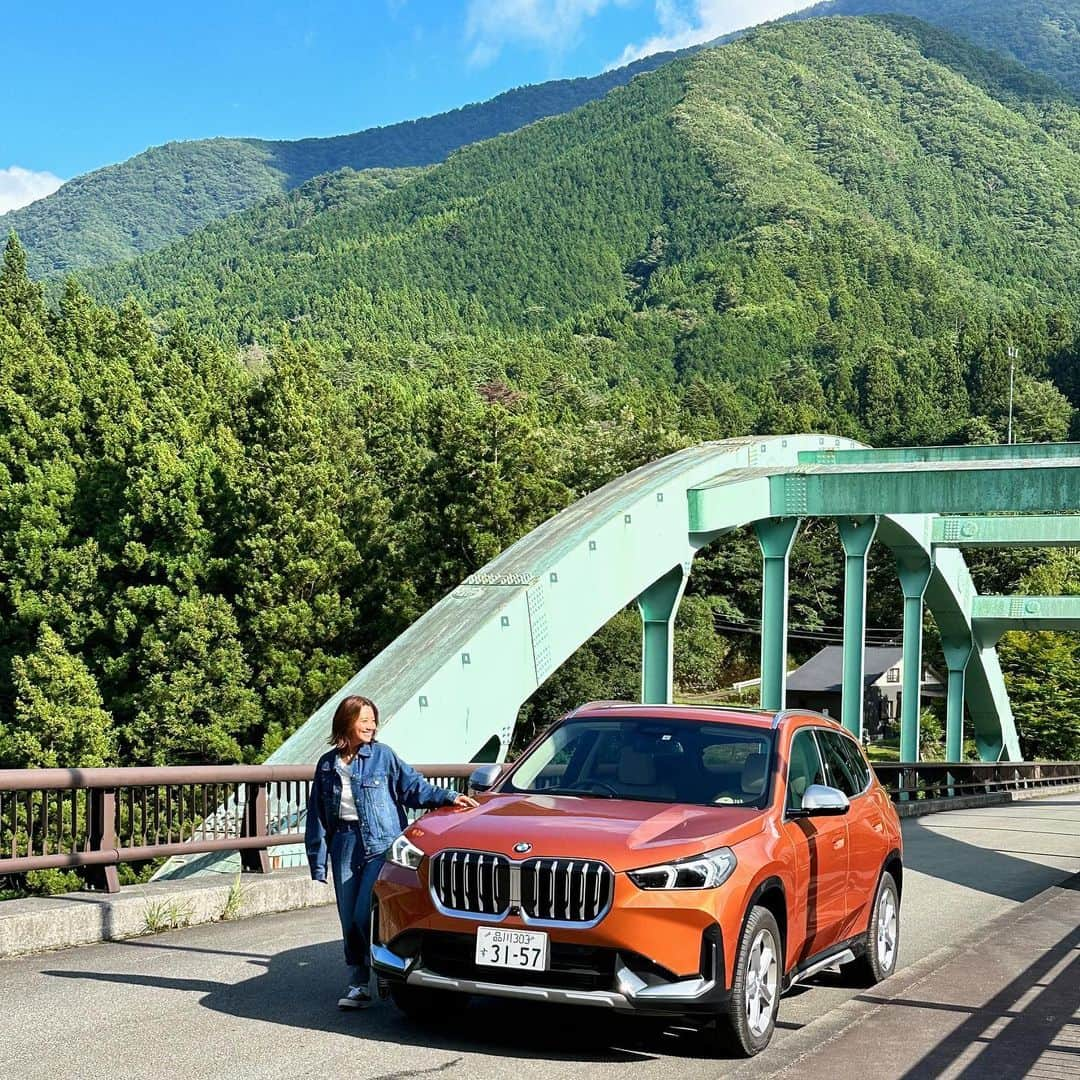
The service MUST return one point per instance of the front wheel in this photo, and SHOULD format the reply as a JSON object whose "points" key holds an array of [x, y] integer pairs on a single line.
{"points": [[423, 1004], [878, 961], [748, 1021]]}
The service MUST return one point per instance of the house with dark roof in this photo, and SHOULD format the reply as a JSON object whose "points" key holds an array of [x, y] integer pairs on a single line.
{"points": [[816, 685]]}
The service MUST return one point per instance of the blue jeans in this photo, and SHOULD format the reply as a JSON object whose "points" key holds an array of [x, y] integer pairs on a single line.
{"points": [[354, 880]]}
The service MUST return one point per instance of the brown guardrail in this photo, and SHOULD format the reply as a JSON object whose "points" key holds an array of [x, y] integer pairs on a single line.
{"points": [[945, 780], [98, 818]]}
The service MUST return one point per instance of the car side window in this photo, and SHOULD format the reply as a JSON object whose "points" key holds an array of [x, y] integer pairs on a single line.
{"points": [[841, 773], [856, 762], [804, 767]]}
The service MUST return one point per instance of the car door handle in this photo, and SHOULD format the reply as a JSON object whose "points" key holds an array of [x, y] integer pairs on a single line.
{"points": [[838, 843], [879, 826]]}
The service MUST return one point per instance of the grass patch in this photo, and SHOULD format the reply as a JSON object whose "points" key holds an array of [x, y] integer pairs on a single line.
{"points": [[167, 915], [234, 901]]}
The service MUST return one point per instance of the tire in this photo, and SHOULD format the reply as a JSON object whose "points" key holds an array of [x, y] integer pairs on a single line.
{"points": [[747, 1023], [425, 1005], [882, 942]]}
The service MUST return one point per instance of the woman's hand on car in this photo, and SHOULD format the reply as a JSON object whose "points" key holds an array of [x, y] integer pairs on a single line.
{"points": [[464, 802]]}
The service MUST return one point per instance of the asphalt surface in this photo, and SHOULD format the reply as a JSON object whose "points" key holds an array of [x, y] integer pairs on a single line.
{"points": [[1008, 1006], [257, 998]]}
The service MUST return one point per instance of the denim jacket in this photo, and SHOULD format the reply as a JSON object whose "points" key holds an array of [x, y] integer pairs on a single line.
{"points": [[382, 785]]}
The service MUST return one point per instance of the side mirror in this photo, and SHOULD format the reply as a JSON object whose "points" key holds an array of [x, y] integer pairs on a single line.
{"points": [[822, 801], [485, 777]]}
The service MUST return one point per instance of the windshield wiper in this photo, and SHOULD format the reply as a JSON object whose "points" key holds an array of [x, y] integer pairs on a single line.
{"points": [[574, 791]]}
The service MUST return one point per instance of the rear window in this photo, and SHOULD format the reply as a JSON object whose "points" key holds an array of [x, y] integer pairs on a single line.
{"points": [[652, 759]]}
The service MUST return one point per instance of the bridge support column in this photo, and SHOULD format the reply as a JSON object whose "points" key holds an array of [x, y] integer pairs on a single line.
{"points": [[856, 534], [658, 605], [776, 536], [957, 650], [914, 576]]}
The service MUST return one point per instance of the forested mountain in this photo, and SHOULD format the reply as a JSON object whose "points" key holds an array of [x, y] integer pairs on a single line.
{"points": [[857, 176], [1044, 35], [263, 451], [170, 191]]}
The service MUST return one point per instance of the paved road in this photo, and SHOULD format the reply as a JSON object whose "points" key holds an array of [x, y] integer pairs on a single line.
{"points": [[257, 998], [1010, 1007]]}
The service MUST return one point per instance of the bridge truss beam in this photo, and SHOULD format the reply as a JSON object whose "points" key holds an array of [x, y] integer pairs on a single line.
{"points": [[909, 455], [452, 684], [1040, 485], [1027, 530], [994, 615]]}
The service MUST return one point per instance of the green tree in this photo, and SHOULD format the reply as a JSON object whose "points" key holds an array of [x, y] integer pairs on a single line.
{"points": [[43, 575], [1041, 413], [1042, 669], [1042, 673], [698, 650], [59, 719], [21, 300], [302, 512], [192, 702]]}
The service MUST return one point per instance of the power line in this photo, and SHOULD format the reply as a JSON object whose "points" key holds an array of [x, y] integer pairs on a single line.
{"points": [[874, 636], [824, 627]]}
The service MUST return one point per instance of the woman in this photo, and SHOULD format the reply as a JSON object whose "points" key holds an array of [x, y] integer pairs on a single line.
{"points": [[355, 812]]}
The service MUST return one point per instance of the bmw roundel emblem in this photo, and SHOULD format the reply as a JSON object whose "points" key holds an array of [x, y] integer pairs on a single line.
{"points": [[522, 847]]}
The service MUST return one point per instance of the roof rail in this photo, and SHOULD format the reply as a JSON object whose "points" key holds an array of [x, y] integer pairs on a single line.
{"points": [[784, 714], [602, 704]]}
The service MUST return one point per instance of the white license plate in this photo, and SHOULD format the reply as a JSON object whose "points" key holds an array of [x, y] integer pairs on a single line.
{"points": [[525, 950]]}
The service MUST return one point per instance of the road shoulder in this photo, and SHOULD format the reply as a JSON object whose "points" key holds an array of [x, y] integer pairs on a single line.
{"points": [[1005, 994]]}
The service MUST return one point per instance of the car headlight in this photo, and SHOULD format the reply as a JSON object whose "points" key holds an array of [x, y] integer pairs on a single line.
{"points": [[404, 853], [700, 872]]}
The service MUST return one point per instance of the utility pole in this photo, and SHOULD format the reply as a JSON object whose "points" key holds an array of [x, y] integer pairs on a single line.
{"points": [[1014, 352]]}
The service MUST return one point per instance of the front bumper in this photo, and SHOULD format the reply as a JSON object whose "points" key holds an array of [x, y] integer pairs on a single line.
{"points": [[670, 925], [603, 978]]}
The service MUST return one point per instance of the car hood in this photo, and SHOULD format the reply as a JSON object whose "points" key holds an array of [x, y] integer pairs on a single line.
{"points": [[624, 833]]}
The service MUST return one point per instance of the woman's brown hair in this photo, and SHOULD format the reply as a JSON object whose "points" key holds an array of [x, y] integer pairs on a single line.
{"points": [[347, 711]]}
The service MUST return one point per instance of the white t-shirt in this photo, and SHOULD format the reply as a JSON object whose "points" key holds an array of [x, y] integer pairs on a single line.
{"points": [[347, 809]]}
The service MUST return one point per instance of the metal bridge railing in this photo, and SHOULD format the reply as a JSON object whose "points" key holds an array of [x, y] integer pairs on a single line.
{"points": [[98, 818], [945, 780]]}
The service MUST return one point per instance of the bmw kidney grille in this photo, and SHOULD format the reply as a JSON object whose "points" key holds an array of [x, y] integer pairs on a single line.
{"points": [[545, 890]]}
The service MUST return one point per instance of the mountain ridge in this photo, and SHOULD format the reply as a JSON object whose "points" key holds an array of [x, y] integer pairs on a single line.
{"points": [[167, 192], [1043, 35], [460, 228]]}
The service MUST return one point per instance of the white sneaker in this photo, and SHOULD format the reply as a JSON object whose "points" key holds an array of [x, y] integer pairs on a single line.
{"points": [[357, 997]]}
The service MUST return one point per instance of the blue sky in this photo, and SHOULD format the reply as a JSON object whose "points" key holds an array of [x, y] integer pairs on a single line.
{"points": [[95, 83]]}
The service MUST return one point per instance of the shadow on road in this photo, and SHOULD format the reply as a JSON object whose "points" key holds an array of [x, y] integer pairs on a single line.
{"points": [[1023, 1030], [935, 846], [299, 988]]}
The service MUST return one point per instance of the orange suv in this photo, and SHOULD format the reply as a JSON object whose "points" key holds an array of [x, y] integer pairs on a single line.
{"points": [[668, 860]]}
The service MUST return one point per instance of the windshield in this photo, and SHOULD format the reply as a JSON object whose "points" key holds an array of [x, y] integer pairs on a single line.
{"points": [[668, 761]]}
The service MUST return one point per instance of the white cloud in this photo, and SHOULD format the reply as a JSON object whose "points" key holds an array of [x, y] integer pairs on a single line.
{"points": [[551, 24], [19, 187], [690, 22]]}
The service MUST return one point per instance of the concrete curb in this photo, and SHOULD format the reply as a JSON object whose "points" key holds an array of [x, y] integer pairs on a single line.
{"points": [[38, 924]]}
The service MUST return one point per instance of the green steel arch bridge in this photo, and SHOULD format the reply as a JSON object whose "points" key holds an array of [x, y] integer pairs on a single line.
{"points": [[450, 687]]}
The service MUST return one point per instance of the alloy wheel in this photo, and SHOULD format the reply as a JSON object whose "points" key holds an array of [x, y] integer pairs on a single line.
{"points": [[761, 982], [886, 931]]}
